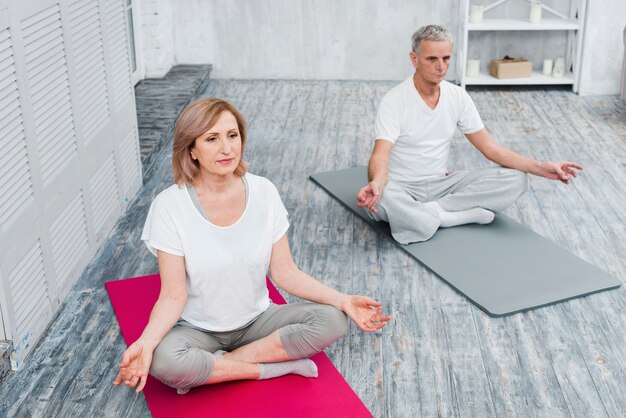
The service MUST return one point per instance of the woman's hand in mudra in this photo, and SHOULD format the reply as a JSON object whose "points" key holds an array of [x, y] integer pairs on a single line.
{"points": [[134, 367], [365, 312]]}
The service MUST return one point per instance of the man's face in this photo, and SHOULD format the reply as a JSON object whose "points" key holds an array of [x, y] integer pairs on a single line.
{"points": [[432, 60]]}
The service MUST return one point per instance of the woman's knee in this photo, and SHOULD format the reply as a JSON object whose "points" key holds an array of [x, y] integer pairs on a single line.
{"points": [[181, 366], [161, 364], [338, 322], [166, 361], [321, 326], [329, 323]]}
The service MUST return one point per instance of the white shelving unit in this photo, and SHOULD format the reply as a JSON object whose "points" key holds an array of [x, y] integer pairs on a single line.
{"points": [[552, 20]]}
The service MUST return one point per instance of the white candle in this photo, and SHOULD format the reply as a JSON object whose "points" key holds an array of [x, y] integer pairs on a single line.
{"points": [[547, 67], [535, 13], [559, 68], [476, 13], [473, 68]]}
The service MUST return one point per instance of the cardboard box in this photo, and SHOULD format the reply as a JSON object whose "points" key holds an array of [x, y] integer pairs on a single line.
{"points": [[510, 67]]}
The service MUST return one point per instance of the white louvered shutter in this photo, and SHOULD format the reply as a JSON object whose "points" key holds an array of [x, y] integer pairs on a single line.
{"points": [[68, 236], [131, 163], [104, 193], [69, 152], [16, 189], [88, 53], [114, 16], [32, 305], [48, 84], [16, 193]]}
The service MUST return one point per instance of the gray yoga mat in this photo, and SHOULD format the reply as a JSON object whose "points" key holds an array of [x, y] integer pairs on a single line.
{"points": [[503, 267]]}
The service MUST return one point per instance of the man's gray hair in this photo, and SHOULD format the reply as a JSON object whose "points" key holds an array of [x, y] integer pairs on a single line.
{"points": [[429, 33]]}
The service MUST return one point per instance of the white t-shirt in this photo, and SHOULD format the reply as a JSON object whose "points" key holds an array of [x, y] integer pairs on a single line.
{"points": [[421, 135], [226, 266]]}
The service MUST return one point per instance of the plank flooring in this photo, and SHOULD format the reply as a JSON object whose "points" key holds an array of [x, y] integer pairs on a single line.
{"points": [[440, 356]]}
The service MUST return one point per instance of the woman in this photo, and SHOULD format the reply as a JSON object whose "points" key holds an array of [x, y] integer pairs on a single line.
{"points": [[215, 233]]}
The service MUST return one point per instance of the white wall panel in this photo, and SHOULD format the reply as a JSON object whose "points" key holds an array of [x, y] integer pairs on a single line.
{"points": [[129, 166], [48, 84], [603, 47], [31, 302], [5, 332], [157, 35], [359, 39], [86, 38], [16, 189], [114, 19], [67, 123], [325, 39], [104, 197], [68, 235]]}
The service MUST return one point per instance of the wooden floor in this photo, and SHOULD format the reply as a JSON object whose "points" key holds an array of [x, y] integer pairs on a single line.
{"points": [[440, 356]]}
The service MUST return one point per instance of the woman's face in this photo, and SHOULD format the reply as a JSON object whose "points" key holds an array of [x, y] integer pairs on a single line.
{"points": [[218, 151]]}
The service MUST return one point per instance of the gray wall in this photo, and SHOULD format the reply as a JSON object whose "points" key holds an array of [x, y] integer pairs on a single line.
{"points": [[321, 39], [603, 48], [357, 39]]}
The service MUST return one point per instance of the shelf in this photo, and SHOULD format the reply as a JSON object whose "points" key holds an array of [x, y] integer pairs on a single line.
{"points": [[536, 78], [559, 33], [523, 25]]}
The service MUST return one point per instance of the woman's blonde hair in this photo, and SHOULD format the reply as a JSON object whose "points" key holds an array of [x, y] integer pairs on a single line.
{"points": [[196, 119]]}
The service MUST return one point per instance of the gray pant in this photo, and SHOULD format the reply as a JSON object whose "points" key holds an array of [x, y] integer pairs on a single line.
{"points": [[184, 358], [401, 203]]}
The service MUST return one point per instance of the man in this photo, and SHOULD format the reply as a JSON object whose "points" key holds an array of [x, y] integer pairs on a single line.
{"points": [[409, 184]]}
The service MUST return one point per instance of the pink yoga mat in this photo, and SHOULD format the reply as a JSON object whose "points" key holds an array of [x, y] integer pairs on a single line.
{"points": [[289, 396]]}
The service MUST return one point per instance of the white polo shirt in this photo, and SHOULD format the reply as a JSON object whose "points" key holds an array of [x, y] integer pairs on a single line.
{"points": [[421, 135]]}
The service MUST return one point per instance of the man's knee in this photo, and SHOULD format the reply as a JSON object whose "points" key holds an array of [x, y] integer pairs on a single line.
{"points": [[515, 180], [521, 181], [381, 213], [389, 197]]}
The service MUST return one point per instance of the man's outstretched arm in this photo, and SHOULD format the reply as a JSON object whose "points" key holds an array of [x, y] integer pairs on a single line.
{"points": [[499, 154], [369, 195]]}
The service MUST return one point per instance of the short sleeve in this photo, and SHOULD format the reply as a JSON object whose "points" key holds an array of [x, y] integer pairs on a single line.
{"points": [[279, 216], [387, 125], [469, 119], [159, 231]]}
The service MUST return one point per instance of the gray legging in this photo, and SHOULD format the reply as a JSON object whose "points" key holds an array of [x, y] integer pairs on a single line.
{"points": [[401, 203], [184, 358]]}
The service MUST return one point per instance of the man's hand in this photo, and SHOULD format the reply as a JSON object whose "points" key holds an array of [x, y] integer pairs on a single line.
{"points": [[369, 196], [562, 170]]}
